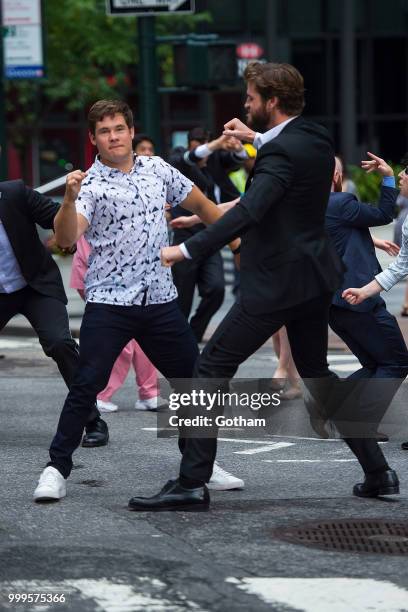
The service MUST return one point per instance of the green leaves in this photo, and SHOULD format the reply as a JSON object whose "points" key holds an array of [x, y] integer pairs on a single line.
{"points": [[89, 55], [368, 185]]}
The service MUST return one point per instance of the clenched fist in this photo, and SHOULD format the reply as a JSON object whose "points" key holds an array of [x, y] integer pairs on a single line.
{"points": [[73, 184], [354, 295], [237, 129], [171, 255]]}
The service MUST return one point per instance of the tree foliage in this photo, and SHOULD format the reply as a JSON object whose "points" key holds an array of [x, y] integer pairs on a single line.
{"points": [[89, 55], [369, 185]]}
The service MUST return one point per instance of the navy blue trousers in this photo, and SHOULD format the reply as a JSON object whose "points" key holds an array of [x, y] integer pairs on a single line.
{"points": [[163, 334], [376, 340]]}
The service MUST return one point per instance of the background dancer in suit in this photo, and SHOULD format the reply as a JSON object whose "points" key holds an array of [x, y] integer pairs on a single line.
{"points": [[206, 164], [31, 285], [368, 329], [385, 280]]}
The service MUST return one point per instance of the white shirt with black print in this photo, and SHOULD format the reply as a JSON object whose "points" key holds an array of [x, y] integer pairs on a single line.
{"points": [[127, 229]]}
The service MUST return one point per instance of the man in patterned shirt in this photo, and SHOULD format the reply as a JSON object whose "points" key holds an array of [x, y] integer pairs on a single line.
{"points": [[119, 205]]}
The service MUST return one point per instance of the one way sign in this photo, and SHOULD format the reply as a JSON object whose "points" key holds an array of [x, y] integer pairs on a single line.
{"points": [[149, 7]]}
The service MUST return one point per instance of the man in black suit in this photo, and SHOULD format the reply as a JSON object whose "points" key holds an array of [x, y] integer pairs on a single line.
{"points": [[289, 270], [31, 284], [207, 164]]}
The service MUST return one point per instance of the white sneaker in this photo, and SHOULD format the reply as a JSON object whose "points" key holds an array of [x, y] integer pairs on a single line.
{"points": [[152, 403], [51, 485], [106, 406], [221, 480]]}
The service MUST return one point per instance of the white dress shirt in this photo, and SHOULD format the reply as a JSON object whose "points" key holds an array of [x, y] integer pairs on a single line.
{"points": [[261, 139]]}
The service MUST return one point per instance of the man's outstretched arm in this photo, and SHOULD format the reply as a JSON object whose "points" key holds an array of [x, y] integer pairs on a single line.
{"points": [[271, 180], [197, 203]]}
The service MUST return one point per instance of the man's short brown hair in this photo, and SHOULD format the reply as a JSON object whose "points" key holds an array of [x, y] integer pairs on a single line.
{"points": [[280, 80], [108, 108]]}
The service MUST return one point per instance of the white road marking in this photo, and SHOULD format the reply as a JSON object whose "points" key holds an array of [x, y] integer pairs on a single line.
{"points": [[15, 344], [313, 439], [264, 449], [323, 594], [345, 368], [307, 460], [107, 595], [244, 441]]}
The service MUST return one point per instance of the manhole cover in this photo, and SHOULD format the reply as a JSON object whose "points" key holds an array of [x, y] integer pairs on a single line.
{"points": [[358, 535]]}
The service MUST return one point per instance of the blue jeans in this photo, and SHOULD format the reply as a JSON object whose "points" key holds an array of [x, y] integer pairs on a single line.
{"points": [[163, 334]]}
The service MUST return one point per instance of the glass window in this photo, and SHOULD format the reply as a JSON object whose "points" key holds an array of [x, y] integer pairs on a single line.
{"points": [[184, 106], [334, 15], [389, 80], [392, 139], [390, 17], [310, 58], [304, 17], [226, 15]]}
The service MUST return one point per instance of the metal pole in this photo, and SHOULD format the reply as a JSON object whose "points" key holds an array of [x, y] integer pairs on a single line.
{"points": [[271, 31], [3, 137], [148, 90], [347, 81]]}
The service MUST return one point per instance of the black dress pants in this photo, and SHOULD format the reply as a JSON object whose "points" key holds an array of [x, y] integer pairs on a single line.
{"points": [[49, 319], [208, 276], [237, 337]]}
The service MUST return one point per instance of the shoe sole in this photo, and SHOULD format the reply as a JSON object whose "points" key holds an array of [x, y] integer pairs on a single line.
{"points": [[94, 444], [380, 492], [48, 498], [171, 509], [210, 487], [107, 410]]}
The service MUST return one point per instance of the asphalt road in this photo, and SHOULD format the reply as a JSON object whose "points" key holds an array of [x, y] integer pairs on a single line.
{"points": [[101, 557], [88, 553]]}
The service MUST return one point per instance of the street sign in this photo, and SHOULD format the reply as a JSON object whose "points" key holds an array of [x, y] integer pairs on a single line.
{"points": [[148, 8], [23, 44]]}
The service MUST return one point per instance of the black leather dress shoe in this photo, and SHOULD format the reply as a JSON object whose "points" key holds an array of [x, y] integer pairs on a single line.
{"points": [[173, 497], [404, 446], [386, 483], [96, 434]]}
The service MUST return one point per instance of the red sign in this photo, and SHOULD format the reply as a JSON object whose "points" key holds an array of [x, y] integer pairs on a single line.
{"points": [[249, 50]]}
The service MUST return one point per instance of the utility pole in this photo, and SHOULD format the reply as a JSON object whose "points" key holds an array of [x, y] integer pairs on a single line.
{"points": [[3, 137], [148, 82]]}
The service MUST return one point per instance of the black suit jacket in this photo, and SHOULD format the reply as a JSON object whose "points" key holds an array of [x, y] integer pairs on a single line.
{"points": [[347, 222], [20, 209], [286, 255]]}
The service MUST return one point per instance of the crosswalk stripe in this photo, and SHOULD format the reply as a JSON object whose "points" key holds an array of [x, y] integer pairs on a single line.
{"points": [[322, 594]]}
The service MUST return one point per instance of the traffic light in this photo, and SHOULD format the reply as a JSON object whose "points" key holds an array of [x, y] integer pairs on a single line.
{"points": [[203, 63]]}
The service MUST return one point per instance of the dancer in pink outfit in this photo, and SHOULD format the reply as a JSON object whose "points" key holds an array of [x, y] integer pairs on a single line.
{"points": [[146, 374]]}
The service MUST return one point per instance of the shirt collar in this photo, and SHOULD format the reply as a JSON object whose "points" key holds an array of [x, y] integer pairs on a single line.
{"points": [[261, 139], [107, 171]]}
